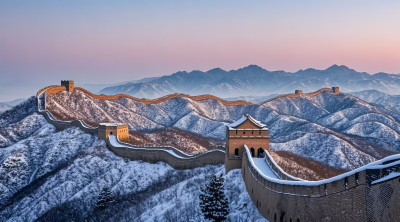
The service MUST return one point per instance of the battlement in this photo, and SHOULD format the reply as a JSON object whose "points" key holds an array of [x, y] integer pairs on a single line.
{"points": [[117, 129], [335, 90], [69, 85], [298, 93], [245, 131]]}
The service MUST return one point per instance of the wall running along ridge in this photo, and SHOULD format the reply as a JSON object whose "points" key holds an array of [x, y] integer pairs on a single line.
{"points": [[166, 98], [170, 155], [352, 196], [300, 94], [364, 194]]}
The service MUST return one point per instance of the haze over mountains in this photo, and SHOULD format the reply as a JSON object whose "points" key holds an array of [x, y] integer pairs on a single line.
{"points": [[256, 81], [4, 106], [376, 97]]}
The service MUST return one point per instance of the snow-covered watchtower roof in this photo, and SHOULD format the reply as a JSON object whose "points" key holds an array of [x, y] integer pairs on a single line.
{"points": [[112, 124], [246, 118]]}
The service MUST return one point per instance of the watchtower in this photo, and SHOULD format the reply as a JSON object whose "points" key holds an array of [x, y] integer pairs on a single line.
{"points": [[335, 90], [117, 129], [245, 131], [298, 92], [69, 85]]}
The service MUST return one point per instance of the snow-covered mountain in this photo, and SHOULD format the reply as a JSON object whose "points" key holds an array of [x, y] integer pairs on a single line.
{"points": [[254, 80], [4, 107], [391, 102], [252, 99], [185, 141], [340, 131], [49, 175]]}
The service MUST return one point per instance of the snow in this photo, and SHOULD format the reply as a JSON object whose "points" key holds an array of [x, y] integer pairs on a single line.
{"points": [[325, 128], [66, 170], [238, 122], [262, 166], [267, 174], [388, 177], [244, 118], [171, 150], [112, 124]]}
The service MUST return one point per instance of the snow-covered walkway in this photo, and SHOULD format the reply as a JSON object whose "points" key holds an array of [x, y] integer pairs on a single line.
{"points": [[262, 165]]}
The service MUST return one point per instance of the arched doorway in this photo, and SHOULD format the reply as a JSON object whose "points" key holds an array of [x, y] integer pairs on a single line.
{"points": [[260, 152], [237, 152], [252, 151], [282, 218]]}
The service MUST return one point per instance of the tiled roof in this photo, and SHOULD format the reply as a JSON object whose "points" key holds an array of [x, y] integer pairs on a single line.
{"points": [[244, 118]]}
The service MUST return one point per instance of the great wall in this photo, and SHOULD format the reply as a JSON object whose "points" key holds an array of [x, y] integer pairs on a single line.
{"points": [[369, 193]]}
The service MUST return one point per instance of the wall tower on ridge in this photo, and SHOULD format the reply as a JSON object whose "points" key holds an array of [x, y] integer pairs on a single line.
{"points": [[117, 129], [69, 85], [246, 131], [335, 90]]}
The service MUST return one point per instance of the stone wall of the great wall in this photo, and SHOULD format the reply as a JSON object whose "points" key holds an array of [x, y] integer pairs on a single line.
{"points": [[155, 155], [383, 198], [299, 93], [351, 198], [281, 202], [165, 98], [169, 155]]}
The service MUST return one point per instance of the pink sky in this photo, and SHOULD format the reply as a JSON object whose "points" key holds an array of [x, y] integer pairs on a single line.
{"points": [[90, 41]]}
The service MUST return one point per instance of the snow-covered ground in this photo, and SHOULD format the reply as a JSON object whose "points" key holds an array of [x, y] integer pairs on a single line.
{"points": [[341, 131], [47, 175]]}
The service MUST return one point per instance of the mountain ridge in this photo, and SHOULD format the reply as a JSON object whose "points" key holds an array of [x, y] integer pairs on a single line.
{"points": [[254, 80], [330, 125]]}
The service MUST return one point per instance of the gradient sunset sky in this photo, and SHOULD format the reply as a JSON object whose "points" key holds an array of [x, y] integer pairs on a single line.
{"points": [[95, 41]]}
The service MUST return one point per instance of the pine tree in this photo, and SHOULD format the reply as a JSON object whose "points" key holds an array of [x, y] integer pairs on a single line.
{"points": [[213, 202], [105, 198]]}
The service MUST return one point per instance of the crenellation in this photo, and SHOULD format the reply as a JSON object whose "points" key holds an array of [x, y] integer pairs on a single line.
{"points": [[118, 129], [68, 84], [335, 90]]}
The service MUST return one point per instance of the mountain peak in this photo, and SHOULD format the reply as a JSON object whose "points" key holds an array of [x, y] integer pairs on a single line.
{"points": [[253, 68], [338, 68], [216, 70]]}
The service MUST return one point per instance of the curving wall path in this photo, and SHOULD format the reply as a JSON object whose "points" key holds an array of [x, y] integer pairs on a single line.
{"points": [[370, 193], [170, 155], [294, 95], [168, 97]]}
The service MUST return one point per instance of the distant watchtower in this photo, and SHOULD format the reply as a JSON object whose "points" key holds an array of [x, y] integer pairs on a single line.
{"points": [[335, 90], [298, 92], [246, 131], [116, 129], [69, 85]]}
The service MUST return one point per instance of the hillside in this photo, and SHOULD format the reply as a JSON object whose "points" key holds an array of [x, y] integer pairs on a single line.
{"points": [[185, 141], [340, 131], [256, 81], [387, 101], [4, 107], [49, 175]]}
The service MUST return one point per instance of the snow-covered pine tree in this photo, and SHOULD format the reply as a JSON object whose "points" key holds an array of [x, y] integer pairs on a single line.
{"points": [[105, 198], [213, 202]]}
